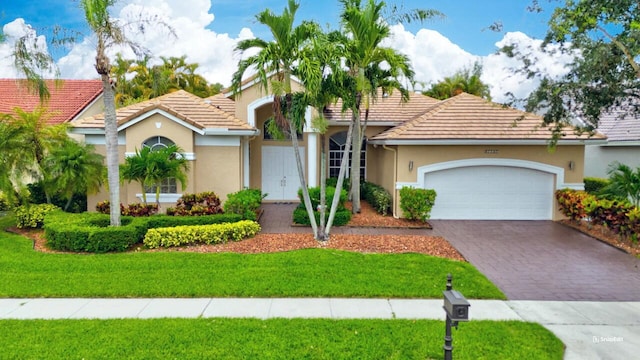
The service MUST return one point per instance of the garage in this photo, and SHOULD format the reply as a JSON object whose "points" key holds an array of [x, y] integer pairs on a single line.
{"points": [[491, 193]]}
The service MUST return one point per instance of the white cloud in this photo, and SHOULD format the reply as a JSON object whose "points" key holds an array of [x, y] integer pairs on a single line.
{"points": [[13, 31]]}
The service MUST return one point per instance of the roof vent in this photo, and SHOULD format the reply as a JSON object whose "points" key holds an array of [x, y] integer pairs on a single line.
{"points": [[207, 101]]}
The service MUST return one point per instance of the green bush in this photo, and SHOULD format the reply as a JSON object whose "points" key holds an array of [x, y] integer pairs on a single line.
{"points": [[245, 203], [204, 203], [593, 185], [89, 232], [314, 195], [37, 196], [32, 216], [4, 202], [416, 204], [301, 217], [377, 196], [200, 234]]}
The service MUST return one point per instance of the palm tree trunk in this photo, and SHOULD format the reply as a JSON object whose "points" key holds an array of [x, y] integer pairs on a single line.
{"points": [[355, 157], [303, 183], [322, 234], [343, 170], [111, 141]]}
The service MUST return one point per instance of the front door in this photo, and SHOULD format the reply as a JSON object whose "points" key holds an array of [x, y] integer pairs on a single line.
{"points": [[280, 179]]}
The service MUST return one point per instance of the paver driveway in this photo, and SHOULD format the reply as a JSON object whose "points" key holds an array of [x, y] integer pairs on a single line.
{"points": [[543, 260]]}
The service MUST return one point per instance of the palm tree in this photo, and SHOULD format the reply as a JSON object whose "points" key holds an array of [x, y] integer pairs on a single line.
{"points": [[371, 66], [150, 167], [74, 168], [275, 64], [624, 183], [466, 80], [110, 33], [27, 140]]}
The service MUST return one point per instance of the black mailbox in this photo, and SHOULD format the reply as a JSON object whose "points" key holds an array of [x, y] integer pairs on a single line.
{"points": [[456, 306]]}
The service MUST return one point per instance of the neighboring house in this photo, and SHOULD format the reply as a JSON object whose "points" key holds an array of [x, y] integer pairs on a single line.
{"points": [[623, 143], [69, 99], [484, 160]]}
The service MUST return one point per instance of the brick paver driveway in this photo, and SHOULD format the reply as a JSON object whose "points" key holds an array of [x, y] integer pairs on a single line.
{"points": [[542, 260]]}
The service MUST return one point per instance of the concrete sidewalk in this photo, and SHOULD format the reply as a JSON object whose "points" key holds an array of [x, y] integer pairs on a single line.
{"points": [[590, 330]]}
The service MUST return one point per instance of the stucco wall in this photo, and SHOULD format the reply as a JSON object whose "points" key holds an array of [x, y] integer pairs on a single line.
{"points": [[218, 169], [140, 132], [598, 158]]}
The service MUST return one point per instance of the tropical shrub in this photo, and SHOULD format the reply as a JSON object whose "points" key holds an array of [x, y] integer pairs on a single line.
{"points": [[4, 202], [204, 203], [37, 196], [245, 203], [624, 183], [134, 209], [416, 204], [377, 196], [201, 234], [32, 216], [572, 203]]}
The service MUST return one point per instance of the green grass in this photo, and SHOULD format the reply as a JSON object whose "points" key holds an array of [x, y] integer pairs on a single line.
{"points": [[304, 273], [272, 339]]}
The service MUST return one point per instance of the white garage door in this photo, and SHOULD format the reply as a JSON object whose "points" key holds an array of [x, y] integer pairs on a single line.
{"points": [[491, 193]]}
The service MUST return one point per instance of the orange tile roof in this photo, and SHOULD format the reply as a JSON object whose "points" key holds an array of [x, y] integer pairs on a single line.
{"points": [[223, 103], [468, 117], [185, 106], [385, 109], [68, 97]]}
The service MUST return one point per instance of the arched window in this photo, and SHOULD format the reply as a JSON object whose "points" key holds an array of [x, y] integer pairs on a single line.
{"points": [[170, 185], [337, 143]]}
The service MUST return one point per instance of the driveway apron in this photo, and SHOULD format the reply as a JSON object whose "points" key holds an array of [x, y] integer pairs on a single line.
{"points": [[543, 260]]}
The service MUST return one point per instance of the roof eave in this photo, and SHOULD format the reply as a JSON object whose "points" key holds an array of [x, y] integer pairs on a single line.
{"points": [[483, 142], [86, 130], [227, 132]]}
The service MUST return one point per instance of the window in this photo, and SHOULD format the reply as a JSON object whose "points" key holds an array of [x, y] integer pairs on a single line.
{"points": [[168, 186], [336, 148]]}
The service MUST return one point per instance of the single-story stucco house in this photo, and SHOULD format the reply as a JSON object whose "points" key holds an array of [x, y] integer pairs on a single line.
{"points": [[484, 160], [622, 129]]}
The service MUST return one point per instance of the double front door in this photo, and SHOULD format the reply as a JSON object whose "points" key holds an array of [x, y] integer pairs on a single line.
{"points": [[280, 179]]}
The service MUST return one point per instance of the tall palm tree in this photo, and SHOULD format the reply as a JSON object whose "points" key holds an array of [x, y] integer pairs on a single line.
{"points": [[276, 62], [75, 168], [364, 29], [110, 32]]}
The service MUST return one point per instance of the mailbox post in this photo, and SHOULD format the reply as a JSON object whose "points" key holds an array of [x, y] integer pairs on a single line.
{"points": [[457, 309]]}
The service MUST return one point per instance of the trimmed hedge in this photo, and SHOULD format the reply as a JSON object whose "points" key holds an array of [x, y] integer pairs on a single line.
{"points": [[343, 215], [593, 185], [32, 216], [377, 196], [301, 217], [416, 204], [90, 232], [201, 234]]}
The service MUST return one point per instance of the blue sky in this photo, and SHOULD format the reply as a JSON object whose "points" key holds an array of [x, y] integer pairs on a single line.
{"points": [[208, 30], [465, 23]]}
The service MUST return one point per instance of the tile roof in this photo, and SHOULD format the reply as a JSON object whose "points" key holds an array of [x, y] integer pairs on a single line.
{"points": [[468, 117], [386, 109], [187, 107], [223, 103], [620, 125], [68, 97]]}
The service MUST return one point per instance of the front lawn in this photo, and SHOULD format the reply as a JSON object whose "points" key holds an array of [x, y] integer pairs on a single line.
{"points": [[272, 339], [303, 273]]}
